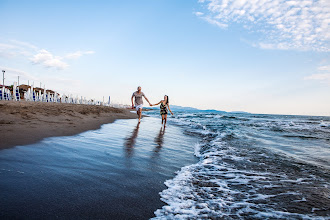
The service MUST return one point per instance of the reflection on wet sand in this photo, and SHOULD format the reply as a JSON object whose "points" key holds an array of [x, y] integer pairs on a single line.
{"points": [[159, 140], [130, 141]]}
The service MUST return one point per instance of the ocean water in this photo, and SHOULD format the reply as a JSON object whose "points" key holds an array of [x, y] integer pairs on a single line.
{"points": [[205, 165], [251, 167]]}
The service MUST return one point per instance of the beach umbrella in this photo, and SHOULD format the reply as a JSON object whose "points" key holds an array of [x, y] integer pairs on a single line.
{"points": [[3, 93]]}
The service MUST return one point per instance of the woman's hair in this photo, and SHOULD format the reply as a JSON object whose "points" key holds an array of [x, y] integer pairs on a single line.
{"points": [[167, 99]]}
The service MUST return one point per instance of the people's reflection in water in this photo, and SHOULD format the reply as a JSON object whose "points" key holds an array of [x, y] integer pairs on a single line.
{"points": [[130, 141], [159, 140]]}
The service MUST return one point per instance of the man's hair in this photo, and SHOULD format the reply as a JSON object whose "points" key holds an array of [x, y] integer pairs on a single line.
{"points": [[138, 87]]}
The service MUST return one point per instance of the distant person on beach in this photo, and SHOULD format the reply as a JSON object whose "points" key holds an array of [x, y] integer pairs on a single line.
{"points": [[138, 101], [164, 105]]}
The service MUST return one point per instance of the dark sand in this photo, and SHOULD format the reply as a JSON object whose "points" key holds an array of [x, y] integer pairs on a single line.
{"points": [[24, 123], [115, 172]]}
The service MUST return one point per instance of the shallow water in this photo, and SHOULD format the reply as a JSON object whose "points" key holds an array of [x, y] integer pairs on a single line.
{"points": [[252, 167], [229, 166], [115, 172]]}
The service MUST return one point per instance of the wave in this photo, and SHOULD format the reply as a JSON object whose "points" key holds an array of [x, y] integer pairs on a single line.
{"points": [[236, 178], [232, 184]]}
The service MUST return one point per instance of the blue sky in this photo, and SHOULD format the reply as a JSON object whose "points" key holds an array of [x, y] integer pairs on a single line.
{"points": [[261, 56]]}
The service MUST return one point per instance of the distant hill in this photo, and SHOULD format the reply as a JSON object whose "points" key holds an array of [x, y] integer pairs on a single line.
{"points": [[214, 111], [181, 108], [240, 112], [176, 108]]}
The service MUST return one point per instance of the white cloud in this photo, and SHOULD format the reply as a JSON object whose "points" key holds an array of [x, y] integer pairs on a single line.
{"points": [[17, 48], [300, 25], [210, 20], [48, 60], [322, 76], [325, 68], [198, 13], [78, 54], [215, 22]]}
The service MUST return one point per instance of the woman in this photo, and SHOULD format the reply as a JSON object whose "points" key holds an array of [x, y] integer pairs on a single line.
{"points": [[164, 105]]}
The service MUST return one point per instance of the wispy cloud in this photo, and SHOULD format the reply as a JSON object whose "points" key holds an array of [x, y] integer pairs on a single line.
{"points": [[36, 55], [10, 50], [12, 73], [325, 68], [323, 75], [24, 44], [78, 54], [282, 24], [210, 20]]}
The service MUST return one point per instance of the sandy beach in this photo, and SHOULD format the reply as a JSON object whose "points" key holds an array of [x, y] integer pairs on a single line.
{"points": [[24, 123]]}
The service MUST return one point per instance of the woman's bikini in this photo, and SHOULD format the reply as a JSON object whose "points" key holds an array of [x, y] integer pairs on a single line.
{"points": [[163, 109]]}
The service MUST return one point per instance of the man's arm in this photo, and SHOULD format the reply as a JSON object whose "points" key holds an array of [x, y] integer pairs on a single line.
{"points": [[147, 99], [132, 101]]}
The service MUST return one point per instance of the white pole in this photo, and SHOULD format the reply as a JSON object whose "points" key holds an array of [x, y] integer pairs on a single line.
{"points": [[3, 77], [14, 91]]}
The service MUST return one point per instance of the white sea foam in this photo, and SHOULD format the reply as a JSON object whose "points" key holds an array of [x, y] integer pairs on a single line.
{"points": [[325, 124], [189, 196], [197, 148]]}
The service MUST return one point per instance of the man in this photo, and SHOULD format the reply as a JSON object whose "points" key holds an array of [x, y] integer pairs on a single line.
{"points": [[138, 101]]}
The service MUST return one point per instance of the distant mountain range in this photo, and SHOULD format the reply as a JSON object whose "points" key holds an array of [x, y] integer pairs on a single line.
{"points": [[240, 112], [181, 108]]}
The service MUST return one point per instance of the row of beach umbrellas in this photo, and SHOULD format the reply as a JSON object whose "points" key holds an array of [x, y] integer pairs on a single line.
{"points": [[37, 95]]}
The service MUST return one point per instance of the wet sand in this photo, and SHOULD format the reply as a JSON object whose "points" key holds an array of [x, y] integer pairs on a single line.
{"points": [[24, 123], [115, 172]]}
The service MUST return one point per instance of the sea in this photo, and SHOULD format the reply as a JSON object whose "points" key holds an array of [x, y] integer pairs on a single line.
{"points": [[251, 166], [203, 165]]}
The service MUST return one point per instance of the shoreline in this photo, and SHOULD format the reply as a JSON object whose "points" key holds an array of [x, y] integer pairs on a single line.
{"points": [[23, 123]]}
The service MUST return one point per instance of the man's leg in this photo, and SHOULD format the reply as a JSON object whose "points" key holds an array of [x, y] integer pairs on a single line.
{"points": [[140, 113]]}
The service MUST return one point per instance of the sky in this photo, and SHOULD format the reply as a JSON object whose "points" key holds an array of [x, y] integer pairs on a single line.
{"points": [[258, 56]]}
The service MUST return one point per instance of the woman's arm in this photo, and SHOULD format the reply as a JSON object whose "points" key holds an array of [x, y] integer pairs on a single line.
{"points": [[156, 104], [168, 106]]}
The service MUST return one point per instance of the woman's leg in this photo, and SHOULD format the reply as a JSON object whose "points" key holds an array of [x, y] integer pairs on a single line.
{"points": [[162, 119], [165, 118]]}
